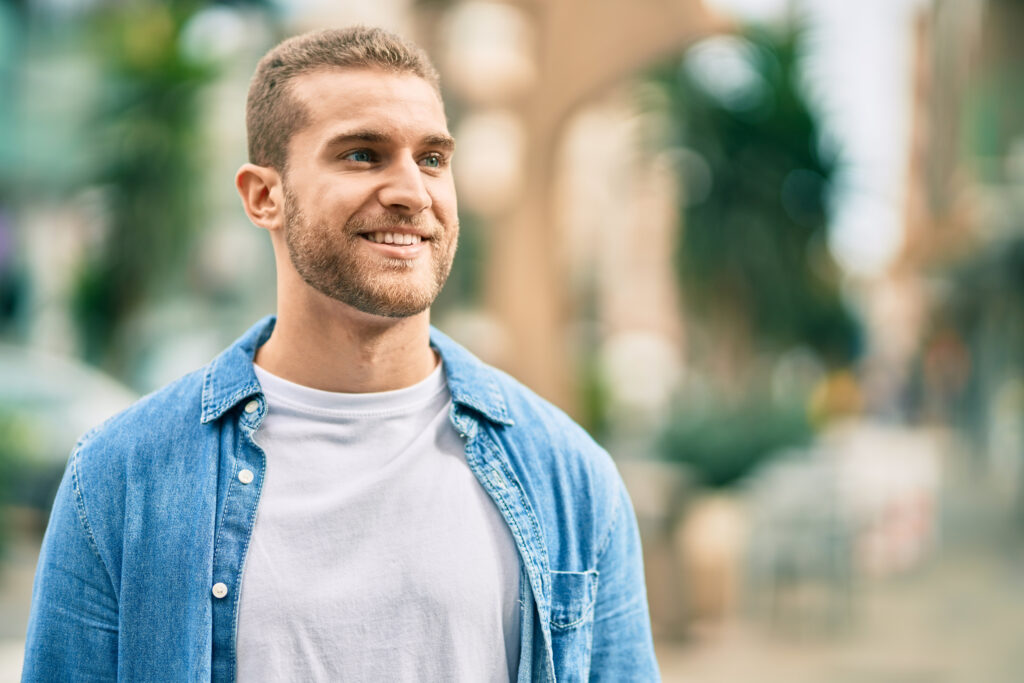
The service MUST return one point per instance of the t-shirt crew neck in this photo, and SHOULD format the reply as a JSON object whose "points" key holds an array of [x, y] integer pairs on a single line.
{"points": [[375, 554], [382, 403]]}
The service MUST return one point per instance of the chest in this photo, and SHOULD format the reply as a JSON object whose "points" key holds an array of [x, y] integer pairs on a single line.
{"points": [[369, 552]]}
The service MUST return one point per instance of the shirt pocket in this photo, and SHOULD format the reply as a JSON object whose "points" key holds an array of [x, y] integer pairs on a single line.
{"points": [[572, 623]]}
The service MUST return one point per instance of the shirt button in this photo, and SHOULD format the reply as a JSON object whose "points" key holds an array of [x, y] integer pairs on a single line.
{"points": [[219, 590], [252, 406], [245, 476]]}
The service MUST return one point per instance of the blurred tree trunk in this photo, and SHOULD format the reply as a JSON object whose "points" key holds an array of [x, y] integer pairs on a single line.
{"points": [[583, 48]]}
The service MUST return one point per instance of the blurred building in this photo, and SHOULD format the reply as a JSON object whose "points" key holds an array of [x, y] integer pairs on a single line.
{"points": [[961, 264]]}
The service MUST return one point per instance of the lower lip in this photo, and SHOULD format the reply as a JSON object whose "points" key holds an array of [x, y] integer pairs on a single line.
{"points": [[403, 251]]}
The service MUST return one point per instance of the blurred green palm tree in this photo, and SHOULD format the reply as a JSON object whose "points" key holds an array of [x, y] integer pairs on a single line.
{"points": [[752, 249], [752, 259]]}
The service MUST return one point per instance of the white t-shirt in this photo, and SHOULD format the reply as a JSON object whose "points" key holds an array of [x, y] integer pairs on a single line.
{"points": [[376, 555]]}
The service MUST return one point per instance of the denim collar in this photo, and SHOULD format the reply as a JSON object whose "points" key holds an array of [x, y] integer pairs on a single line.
{"points": [[229, 379]]}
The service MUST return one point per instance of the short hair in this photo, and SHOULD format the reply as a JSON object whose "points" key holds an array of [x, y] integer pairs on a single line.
{"points": [[272, 114]]}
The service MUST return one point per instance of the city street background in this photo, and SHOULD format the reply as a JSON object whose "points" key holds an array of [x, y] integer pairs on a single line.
{"points": [[770, 253]]}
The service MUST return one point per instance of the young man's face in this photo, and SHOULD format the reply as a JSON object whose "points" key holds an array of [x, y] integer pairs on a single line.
{"points": [[370, 211]]}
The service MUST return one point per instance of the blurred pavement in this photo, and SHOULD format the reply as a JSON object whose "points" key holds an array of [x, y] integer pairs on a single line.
{"points": [[955, 620]]}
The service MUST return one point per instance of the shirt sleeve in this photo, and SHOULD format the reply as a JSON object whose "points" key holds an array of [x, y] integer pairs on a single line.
{"points": [[623, 649], [73, 627]]}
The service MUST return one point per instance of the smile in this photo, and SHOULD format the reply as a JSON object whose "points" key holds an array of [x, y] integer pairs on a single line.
{"points": [[398, 238]]}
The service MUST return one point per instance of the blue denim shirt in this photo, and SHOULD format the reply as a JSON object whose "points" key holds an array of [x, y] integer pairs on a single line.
{"points": [[151, 515]]}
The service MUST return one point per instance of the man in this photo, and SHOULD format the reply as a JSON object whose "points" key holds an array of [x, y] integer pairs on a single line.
{"points": [[344, 493]]}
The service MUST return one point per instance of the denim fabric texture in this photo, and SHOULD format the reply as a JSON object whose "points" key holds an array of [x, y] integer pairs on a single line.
{"points": [[151, 524]]}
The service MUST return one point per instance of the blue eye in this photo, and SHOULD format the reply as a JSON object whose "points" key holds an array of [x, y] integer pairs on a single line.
{"points": [[362, 156], [432, 161]]}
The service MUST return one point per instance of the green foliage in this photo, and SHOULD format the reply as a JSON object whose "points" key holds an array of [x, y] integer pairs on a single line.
{"points": [[752, 257], [146, 127], [724, 444], [594, 396], [754, 198]]}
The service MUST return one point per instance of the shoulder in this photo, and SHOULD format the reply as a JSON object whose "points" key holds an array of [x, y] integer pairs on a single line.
{"points": [[548, 439], [520, 416], [571, 481], [532, 414], [516, 411], [136, 454], [173, 420], [151, 425]]}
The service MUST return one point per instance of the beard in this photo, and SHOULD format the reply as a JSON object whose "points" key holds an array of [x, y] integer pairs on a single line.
{"points": [[334, 263]]}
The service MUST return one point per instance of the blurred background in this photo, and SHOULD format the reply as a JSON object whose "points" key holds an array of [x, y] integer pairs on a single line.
{"points": [[769, 252]]}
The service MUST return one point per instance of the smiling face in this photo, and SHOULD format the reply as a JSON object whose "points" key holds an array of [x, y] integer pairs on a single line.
{"points": [[369, 201]]}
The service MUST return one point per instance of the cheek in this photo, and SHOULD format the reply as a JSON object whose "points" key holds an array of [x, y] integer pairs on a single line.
{"points": [[445, 204], [341, 195]]}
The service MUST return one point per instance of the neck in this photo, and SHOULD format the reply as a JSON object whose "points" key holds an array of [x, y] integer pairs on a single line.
{"points": [[334, 347]]}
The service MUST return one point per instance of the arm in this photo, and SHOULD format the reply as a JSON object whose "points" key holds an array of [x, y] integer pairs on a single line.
{"points": [[623, 649], [73, 627]]}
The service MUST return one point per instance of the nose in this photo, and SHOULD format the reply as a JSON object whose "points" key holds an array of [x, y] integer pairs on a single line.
{"points": [[403, 189]]}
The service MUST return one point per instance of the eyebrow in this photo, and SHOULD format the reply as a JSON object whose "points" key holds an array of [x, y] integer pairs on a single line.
{"points": [[372, 136], [446, 142]]}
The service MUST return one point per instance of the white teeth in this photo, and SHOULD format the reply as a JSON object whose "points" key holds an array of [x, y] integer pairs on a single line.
{"points": [[403, 239]]}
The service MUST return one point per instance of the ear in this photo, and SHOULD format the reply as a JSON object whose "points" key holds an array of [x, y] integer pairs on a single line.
{"points": [[262, 195]]}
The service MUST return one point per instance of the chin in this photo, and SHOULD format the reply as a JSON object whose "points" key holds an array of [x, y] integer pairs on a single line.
{"points": [[394, 308]]}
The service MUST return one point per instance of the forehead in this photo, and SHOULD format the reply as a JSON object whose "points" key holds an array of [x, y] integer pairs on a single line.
{"points": [[400, 102]]}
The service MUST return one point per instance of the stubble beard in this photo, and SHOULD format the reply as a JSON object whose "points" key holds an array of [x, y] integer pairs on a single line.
{"points": [[330, 261]]}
